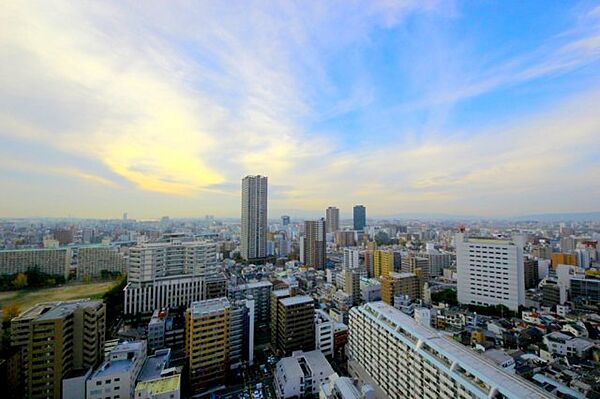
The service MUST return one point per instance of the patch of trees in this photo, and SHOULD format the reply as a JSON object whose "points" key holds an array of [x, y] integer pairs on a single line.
{"points": [[447, 296], [32, 278], [114, 300]]}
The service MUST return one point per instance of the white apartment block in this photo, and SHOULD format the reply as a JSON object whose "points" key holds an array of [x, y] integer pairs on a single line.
{"points": [[490, 272], [154, 261], [168, 274], [324, 332], [48, 260], [253, 241], [403, 359], [116, 377], [301, 375], [351, 258]]}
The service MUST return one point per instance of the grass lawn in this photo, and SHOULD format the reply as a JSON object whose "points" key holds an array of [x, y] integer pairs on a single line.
{"points": [[27, 298]]}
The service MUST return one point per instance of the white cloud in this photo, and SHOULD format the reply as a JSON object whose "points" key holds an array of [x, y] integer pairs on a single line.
{"points": [[184, 100]]}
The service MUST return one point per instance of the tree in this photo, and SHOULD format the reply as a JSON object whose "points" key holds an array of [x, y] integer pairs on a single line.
{"points": [[20, 281], [10, 311]]}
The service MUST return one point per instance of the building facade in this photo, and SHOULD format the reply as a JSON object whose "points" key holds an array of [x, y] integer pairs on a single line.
{"points": [[260, 292], [93, 260], [403, 359], [207, 343], [314, 243], [359, 217], [490, 272], [332, 217], [171, 274], [253, 241], [400, 284], [55, 339], [118, 374], [293, 326], [54, 261]]}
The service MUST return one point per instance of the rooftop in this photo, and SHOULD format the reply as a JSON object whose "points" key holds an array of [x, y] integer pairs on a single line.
{"points": [[257, 284], [202, 308], [54, 310], [296, 300], [401, 324], [111, 367], [155, 364], [401, 275], [160, 385]]}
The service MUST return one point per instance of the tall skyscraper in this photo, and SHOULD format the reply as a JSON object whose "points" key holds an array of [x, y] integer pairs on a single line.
{"points": [[254, 217], [332, 217], [490, 272], [359, 217], [314, 243], [285, 220]]}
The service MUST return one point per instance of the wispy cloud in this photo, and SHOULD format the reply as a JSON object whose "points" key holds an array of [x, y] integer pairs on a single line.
{"points": [[177, 103]]}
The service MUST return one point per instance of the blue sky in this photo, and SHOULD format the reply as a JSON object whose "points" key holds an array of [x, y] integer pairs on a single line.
{"points": [[469, 108]]}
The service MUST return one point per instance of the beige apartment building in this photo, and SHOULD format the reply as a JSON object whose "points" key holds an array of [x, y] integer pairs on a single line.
{"points": [[56, 338]]}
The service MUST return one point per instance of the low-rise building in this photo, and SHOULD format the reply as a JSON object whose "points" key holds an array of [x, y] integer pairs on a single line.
{"points": [[118, 374], [301, 374], [562, 344]]}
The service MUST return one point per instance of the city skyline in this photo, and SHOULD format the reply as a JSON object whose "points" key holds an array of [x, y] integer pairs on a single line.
{"points": [[407, 107]]}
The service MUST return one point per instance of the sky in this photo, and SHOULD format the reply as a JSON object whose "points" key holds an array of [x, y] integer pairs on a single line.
{"points": [[155, 108]]}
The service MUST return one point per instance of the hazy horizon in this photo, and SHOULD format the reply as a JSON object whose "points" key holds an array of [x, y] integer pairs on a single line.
{"points": [[409, 107]]}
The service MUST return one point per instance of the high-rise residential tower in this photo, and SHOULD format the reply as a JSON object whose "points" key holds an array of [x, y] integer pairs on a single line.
{"points": [[314, 243], [359, 217], [332, 217], [254, 217]]}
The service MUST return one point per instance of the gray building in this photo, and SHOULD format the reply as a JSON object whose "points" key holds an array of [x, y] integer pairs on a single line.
{"points": [[314, 243], [254, 217], [260, 292], [359, 214], [332, 217]]}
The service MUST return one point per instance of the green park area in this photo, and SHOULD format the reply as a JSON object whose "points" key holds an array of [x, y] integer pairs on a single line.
{"points": [[25, 298]]}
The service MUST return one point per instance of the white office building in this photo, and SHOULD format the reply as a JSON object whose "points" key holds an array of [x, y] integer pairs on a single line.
{"points": [[253, 241], [116, 377], [301, 375], [403, 359], [490, 272], [324, 328]]}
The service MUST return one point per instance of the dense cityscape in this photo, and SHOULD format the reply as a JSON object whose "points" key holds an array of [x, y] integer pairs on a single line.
{"points": [[286, 308], [296, 199]]}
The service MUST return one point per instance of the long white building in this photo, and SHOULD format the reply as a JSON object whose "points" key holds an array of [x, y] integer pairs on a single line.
{"points": [[54, 261], [253, 241], [403, 359], [490, 272]]}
